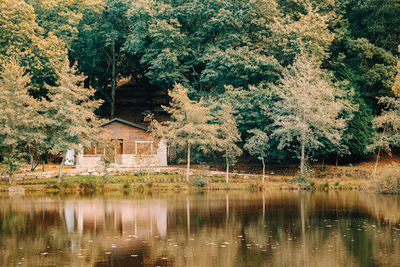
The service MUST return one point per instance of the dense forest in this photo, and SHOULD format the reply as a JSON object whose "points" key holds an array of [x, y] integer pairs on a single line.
{"points": [[311, 79]]}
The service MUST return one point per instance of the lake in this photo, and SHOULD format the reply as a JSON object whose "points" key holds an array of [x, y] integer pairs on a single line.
{"points": [[279, 228]]}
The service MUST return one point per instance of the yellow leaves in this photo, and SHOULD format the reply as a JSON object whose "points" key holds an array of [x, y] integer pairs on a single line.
{"points": [[396, 84]]}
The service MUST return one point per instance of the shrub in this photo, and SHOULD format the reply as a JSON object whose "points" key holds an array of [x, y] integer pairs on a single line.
{"points": [[149, 185], [126, 185], [140, 188], [53, 185], [66, 184], [200, 182], [325, 185], [87, 186], [387, 181]]}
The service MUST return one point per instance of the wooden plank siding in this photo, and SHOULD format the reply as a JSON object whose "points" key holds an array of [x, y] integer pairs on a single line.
{"points": [[129, 135], [137, 147]]}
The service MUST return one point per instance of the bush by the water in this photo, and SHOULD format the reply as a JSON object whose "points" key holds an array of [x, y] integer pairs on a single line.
{"points": [[87, 186], [200, 182], [387, 181]]}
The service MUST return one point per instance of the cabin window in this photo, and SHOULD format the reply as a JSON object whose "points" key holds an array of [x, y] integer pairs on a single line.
{"points": [[91, 151], [120, 146], [144, 148]]}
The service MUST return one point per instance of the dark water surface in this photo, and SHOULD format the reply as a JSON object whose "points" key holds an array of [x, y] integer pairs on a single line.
{"points": [[201, 229]]}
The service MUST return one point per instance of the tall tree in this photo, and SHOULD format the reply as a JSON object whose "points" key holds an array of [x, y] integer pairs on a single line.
{"points": [[307, 109], [227, 135], [22, 37], [388, 128], [203, 44], [190, 125], [21, 125], [259, 147], [72, 121]]}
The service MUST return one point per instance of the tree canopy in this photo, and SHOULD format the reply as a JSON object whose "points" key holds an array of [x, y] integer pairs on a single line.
{"points": [[235, 51]]}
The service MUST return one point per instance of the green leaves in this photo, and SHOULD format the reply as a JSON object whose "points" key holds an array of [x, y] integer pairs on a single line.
{"points": [[204, 45]]}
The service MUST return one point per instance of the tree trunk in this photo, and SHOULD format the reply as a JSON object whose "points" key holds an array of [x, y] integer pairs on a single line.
{"points": [[113, 80], [303, 148], [302, 163], [227, 169], [337, 159], [60, 168], [376, 162], [263, 173], [188, 165], [10, 179], [31, 161]]}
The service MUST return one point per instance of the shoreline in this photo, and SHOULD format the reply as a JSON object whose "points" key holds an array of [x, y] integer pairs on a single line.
{"points": [[160, 182]]}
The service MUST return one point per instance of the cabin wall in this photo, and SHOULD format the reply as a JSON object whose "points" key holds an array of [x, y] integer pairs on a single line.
{"points": [[157, 156], [129, 135]]}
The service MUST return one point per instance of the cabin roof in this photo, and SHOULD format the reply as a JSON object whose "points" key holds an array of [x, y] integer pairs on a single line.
{"points": [[127, 123]]}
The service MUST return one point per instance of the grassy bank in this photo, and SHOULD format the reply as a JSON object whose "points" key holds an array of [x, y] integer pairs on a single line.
{"points": [[139, 182]]}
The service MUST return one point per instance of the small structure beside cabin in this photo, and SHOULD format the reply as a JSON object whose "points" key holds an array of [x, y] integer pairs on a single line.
{"points": [[137, 148]]}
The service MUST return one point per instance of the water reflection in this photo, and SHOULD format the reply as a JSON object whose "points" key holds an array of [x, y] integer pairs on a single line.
{"points": [[202, 229]]}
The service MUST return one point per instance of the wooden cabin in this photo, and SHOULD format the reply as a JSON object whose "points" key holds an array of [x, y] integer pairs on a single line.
{"points": [[136, 147]]}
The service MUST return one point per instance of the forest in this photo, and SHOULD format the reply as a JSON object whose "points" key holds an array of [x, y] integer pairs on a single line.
{"points": [[279, 80]]}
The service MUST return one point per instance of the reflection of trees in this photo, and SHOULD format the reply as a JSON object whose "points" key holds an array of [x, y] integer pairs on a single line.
{"points": [[203, 229]]}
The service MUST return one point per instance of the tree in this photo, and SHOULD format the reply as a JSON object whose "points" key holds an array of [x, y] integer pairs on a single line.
{"points": [[227, 136], [203, 44], [21, 37], [190, 125], [307, 109], [21, 125], [308, 29], [388, 128], [360, 131], [72, 121], [258, 146], [396, 84], [375, 20]]}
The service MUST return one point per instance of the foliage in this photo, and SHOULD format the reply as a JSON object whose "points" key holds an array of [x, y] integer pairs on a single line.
{"points": [[307, 109], [258, 145], [200, 182], [358, 135], [387, 180], [203, 44], [233, 50], [21, 37], [375, 20], [21, 124], [227, 135], [87, 186], [190, 124], [70, 114], [388, 127]]}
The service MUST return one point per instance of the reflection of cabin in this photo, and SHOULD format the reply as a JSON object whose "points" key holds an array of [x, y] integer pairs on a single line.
{"points": [[136, 147]]}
